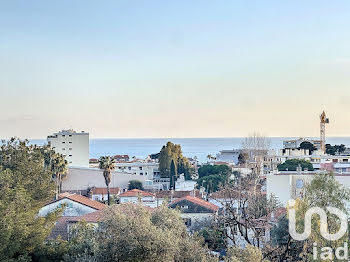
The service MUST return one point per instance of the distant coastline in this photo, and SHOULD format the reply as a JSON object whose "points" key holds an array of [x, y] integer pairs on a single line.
{"points": [[200, 147]]}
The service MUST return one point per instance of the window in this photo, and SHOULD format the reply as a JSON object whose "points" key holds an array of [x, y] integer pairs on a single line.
{"points": [[70, 135], [70, 155], [70, 148], [63, 149], [141, 174], [63, 135], [299, 183], [63, 142], [187, 221], [129, 167], [70, 142], [140, 167]]}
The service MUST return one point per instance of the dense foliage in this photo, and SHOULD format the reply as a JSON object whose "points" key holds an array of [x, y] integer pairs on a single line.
{"points": [[207, 170], [171, 152], [25, 186], [307, 145], [135, 184], [336, 149], [293, 164], [211, 177], [323, 191], [134, 233]]}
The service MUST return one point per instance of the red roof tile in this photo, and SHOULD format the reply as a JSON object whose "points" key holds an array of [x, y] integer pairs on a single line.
{"points": [[197, 201], [103, 191], [80, 199], [135, 193]]}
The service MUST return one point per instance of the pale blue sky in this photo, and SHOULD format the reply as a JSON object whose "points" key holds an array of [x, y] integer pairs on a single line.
{"points": [[174, 68]]}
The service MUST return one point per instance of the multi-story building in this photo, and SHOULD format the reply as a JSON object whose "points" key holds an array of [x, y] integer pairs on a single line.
{"points": [[229, 156], [74, 146], [148, 170], [286, 185], [295, 143]]}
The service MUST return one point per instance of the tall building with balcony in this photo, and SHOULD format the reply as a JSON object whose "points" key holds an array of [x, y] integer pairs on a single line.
{"points": [[73, 145]]}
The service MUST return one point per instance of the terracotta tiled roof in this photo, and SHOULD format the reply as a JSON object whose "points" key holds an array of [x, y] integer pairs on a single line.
{"points": [[135, 193], [197, 201], [80, 199], [103, 191], [121, 156]]}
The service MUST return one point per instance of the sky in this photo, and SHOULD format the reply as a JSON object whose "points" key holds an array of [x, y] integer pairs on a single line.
{"points": [[139, 69]]}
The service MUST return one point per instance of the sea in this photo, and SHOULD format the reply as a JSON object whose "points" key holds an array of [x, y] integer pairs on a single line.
{"points": [[191, 147]]}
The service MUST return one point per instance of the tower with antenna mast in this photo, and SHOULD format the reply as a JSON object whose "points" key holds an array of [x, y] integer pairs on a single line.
{"points": [[323, 121]]}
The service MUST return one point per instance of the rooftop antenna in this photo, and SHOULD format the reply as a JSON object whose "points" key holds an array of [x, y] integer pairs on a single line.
{"points": [[323, 121]]}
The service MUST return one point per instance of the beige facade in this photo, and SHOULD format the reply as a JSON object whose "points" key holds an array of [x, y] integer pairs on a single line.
{"points": [[74, 146], [80, 179]]}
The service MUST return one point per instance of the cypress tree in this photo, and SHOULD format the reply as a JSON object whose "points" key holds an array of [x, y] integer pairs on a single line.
{"points": [[173, 174]]}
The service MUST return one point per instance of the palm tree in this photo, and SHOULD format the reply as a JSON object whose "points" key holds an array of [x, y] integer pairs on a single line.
{"points": [[107, 164], [59, 167], [209, 157]]}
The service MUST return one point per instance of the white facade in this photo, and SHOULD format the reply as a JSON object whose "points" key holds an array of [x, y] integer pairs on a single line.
{"points": [[74, 146], [147, 170], [291, 185], [229, 156], [149, 201], [184, 185], [80, 179], [72, 208]]}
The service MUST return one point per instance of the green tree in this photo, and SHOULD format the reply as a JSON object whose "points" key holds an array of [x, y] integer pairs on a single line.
{"points": [[212, 183], [134, 233], [171, 152], [323, 191], [173, 174], [336, 149], [293, 164], [25, 186], [208, 170], [308, 146], [107, 164], [57, 165], [248, 254], [135, 184]]}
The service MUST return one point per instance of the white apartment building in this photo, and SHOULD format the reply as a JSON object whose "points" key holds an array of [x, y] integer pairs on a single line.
{"points": [[148, 170], [229, 156], [286, 185], [295, 143], [74, 146]]}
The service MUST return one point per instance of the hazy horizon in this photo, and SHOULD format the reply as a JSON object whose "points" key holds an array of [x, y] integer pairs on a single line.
{"points": [[146, 69]]}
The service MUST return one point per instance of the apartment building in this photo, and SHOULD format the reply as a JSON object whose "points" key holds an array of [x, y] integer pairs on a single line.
{"points": [[73, 145]]}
